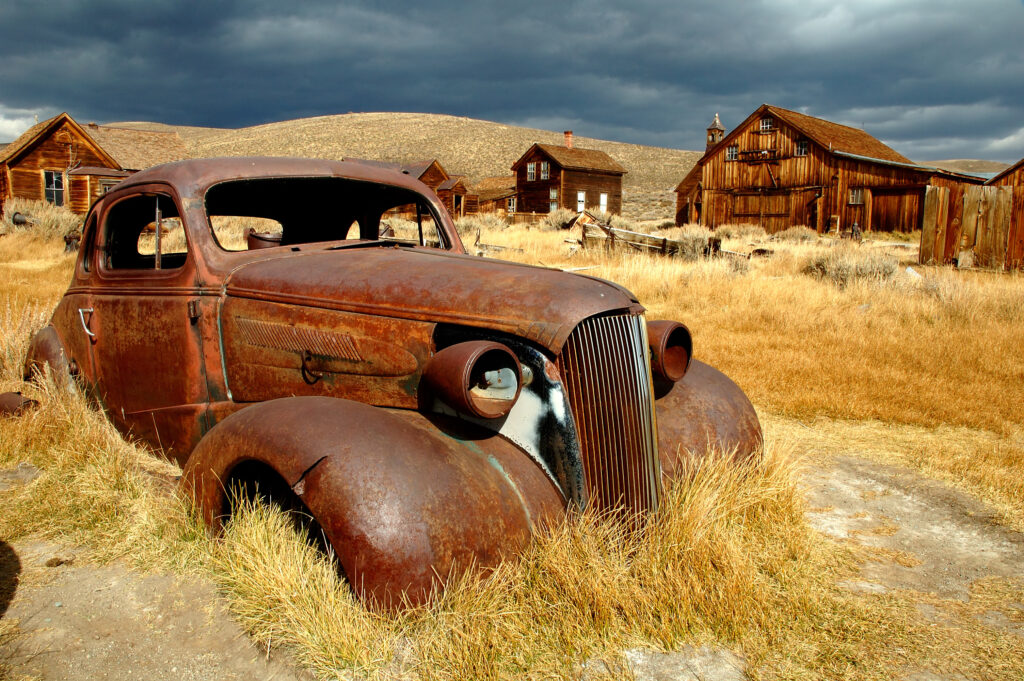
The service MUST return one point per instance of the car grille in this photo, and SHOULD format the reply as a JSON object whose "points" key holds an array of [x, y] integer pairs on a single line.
{"points": [[607, 377]]}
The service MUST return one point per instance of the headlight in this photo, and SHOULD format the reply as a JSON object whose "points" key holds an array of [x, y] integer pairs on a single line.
{"points": [[480, 378], [671, 349]]}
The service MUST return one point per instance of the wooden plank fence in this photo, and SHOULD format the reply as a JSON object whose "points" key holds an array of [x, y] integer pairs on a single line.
{"points": [[973, 226]]}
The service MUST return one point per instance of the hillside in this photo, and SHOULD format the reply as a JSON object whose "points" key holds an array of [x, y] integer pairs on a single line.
{"points": [[464, 146], [968, 165]]}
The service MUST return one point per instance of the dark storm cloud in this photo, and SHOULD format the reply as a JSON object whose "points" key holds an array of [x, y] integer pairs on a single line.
{"points": [[932, 78]]}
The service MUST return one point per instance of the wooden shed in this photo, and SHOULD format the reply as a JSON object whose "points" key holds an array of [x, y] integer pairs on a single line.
{"points": [[780, 168], [65, 163], [549, 177]]}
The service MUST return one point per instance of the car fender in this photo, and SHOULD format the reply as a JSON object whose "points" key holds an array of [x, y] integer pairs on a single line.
{"points": [[404, 499], [705, 411], [46, 348]]}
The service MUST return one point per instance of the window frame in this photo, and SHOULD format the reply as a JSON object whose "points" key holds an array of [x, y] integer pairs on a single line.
{"points": [[100, 243], [803, 147], [732, 152], [545, 170], [767, 124], [56, 191], [855, 196], [531, 171]]}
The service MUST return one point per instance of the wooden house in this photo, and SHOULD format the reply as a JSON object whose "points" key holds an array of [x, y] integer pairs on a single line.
{"points": [[65, 163], [780, 168], [549, 177], [496, 194]]}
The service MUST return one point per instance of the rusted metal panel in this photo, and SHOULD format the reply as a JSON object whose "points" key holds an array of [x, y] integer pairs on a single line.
{"points": [[704, 412]]}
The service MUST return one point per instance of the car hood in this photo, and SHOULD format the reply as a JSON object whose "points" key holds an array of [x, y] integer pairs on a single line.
{"points": [[542, 305]]}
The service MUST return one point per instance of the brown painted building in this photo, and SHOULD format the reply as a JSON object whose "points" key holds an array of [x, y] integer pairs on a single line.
{"points": [[549, 177], [780, 168], [65, 163]]}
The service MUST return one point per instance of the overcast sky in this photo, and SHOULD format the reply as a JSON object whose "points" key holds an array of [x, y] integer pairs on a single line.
{"points": [[935, 79]]}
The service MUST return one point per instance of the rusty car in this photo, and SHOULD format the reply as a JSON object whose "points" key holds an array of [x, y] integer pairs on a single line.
{"points": [[316, 330]]}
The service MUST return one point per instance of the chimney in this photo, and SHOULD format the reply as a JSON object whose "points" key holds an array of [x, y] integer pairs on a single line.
{"points": [[568, 139]]}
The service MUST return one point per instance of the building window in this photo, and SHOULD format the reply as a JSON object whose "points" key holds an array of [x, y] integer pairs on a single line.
{"points": [[531, 172], [604, 203], [732, 152], [510, 204], [553, 196], [54, 181], [545, 170], [581, 201], [107, 185], [801, 147], [766, 124], [856, 196]]}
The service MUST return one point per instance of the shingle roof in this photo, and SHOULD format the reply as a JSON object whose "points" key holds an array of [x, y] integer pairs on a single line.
{"points": [[452, 181], [138, 149], [836, 137], [492, 188], [581, 159]]}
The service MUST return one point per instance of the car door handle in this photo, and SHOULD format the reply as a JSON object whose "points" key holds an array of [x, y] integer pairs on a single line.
{"points": [[85, 324]]}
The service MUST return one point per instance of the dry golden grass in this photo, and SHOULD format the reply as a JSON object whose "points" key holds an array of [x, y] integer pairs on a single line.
{"points": [[728, 559]]}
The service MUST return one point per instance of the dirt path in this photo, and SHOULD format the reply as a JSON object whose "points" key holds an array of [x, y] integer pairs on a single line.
{"points": [[88, 622], [107, 622]]}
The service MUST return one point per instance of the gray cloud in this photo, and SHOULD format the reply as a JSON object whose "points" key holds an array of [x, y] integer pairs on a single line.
{"points": [[933, 78]]}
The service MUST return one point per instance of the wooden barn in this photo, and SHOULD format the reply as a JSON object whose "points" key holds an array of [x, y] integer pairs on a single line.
{"points": [[68, 164], [780, 168], [496, 194], [549, 177]]}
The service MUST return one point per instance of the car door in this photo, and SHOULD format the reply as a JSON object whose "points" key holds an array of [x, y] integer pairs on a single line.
{"points": [[147, 346]]}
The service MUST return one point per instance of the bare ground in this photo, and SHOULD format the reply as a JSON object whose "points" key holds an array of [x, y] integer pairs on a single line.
{"points": [[81, 621]]}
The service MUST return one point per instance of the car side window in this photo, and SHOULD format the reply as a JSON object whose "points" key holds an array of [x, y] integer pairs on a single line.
{"points": [[144, 232]]}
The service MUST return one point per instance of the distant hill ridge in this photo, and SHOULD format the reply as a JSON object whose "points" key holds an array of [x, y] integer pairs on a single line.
{"points": [[465, 146]]}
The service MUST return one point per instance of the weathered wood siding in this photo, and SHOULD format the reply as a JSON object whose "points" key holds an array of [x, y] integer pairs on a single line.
{"points": [[592, 184], [534, 196], [433, 176], [973, 226]]}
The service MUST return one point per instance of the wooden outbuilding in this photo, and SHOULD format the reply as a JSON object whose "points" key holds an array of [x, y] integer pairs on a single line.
{"points": [[65, 163], [549, 177], [781, 168]]}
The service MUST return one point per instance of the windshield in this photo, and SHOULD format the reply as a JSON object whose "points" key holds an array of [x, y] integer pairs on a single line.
{"points": [[268, 212]]}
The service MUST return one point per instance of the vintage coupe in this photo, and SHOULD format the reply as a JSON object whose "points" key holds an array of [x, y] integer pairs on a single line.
{"points": [[316, 329]]}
